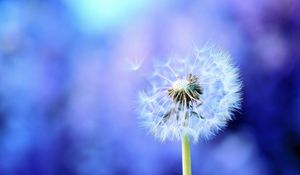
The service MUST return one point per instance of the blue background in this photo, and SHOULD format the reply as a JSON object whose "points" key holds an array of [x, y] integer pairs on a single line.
{"points": [[70, 72]]}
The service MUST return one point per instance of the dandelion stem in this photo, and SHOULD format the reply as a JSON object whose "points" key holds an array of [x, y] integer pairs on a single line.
{"points": [[186, 156]]}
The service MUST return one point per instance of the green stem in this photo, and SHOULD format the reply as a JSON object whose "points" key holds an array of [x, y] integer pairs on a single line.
{"points": [[186, 156]]}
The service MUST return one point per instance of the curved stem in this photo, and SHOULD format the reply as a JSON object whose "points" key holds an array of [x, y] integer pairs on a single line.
{"points": [[186, 156]]}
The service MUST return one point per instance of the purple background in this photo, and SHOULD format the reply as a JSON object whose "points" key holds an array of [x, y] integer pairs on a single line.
{"points": [[69, 83]]}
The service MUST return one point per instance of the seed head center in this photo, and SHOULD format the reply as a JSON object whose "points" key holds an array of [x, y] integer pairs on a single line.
{"points": [[186, 90], [180, 85]]}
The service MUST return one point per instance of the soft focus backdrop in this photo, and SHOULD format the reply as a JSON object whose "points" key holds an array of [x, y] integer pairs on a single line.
{"points": [[70, 72]]}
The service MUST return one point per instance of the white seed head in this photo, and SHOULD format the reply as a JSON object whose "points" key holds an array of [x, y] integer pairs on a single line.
{"points": [[195, 96]]}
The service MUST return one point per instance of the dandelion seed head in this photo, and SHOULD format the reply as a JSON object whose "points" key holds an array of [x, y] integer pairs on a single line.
{"points": [[193, 95]]}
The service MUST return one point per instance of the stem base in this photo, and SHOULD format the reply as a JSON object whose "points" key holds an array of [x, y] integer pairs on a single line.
{"points": [[186, 156]]}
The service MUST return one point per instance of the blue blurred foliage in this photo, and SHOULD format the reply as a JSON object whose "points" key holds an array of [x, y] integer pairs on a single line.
{"points": [[70, 72]]}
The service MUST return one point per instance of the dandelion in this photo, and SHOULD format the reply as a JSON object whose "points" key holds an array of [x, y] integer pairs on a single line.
{"points": [[191, 97]]}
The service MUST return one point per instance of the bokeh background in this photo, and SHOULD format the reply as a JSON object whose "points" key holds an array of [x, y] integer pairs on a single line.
{"points": [[70, 72]]}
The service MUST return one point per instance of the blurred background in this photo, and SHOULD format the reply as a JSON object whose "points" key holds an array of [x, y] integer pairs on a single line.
{"points": [[70, 72]]}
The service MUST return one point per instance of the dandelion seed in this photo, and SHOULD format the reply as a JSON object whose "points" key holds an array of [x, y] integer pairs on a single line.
{"points": [[134, 63]]}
